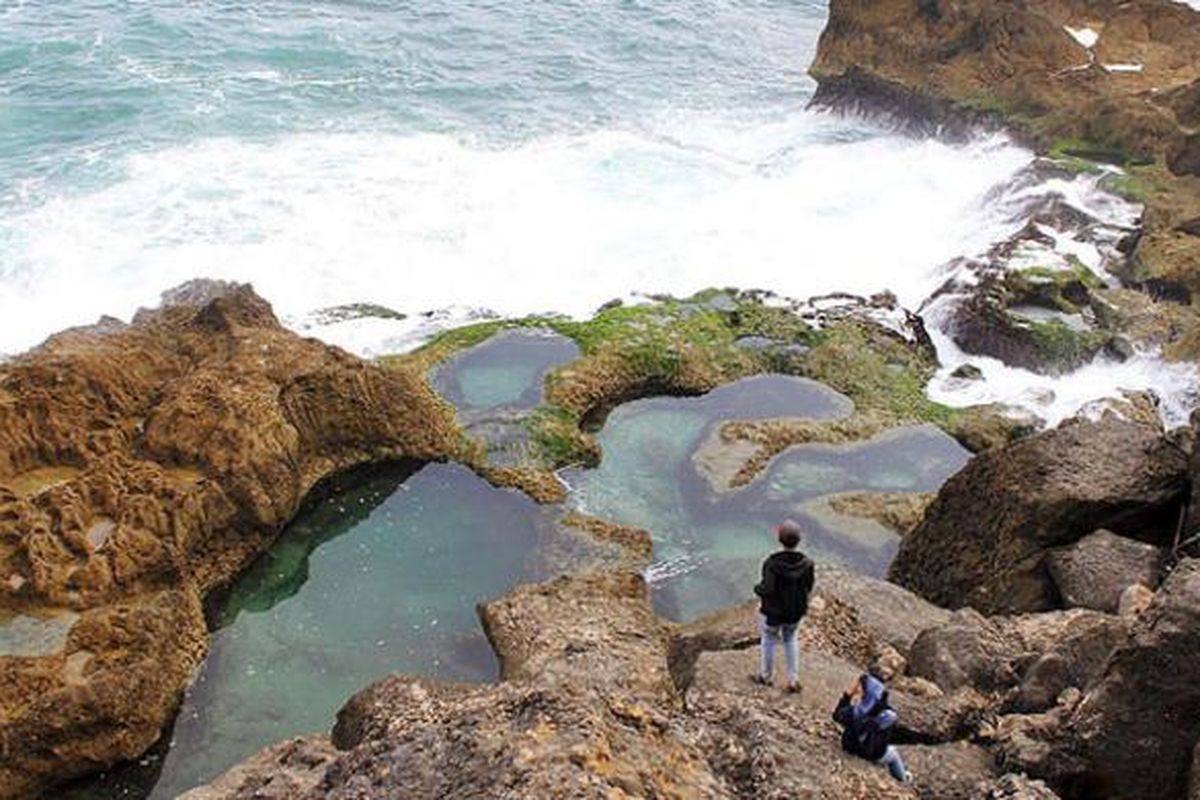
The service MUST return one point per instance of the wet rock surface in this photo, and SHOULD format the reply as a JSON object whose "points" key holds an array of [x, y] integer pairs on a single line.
{"points": [[1127, 97], [1046, 491], [175, 449]]}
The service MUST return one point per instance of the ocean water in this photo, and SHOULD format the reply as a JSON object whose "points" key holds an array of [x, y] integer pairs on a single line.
{"points": [[447, 154], [449, 157]]}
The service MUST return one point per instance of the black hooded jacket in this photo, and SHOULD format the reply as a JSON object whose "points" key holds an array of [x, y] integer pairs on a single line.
{"points": [[787, 580]]}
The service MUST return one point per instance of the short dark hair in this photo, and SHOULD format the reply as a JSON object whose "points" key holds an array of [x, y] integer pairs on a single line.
{"points": [[789, 533]]}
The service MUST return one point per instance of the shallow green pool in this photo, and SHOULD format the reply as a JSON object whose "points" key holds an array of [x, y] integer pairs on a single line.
{"points": [[494, 385], [707, 545], [380, 577]]}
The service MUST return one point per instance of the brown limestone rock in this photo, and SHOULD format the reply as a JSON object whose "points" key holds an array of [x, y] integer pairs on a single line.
{"points": [[1014, 787], [983, 541], [897, 511], [762, 743], [948, 771], [1026, 661], [601, 619], [635, 541], [283, 771], [104, 697], [891, 613], [141, 466]]}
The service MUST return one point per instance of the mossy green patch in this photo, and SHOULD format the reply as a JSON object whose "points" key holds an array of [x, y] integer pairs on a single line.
{"points": [[1076, 165], [1141, 184], [446, 344], [557, 440], [1104, 152], [780, 324], [1054, 288], [1063, 347], [878, 372]]}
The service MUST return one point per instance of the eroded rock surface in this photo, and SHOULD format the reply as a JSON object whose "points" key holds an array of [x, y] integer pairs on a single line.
{"points": [[983, 541], [143, 465], [1026, 661]]}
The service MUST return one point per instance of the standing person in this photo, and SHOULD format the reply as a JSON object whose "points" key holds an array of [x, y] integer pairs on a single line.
{"points": [[787, 580], [867, 722]]}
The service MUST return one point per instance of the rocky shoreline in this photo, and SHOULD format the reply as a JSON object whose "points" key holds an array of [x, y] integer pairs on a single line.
{"points": [[1087, 84], [1043, 620], [619, 703]]}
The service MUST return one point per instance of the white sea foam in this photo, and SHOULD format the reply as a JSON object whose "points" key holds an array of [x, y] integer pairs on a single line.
{"points": [[801, 205], [1052, 399], [559, 224]]}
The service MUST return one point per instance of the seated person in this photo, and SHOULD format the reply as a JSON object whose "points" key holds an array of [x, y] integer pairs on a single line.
{"points": [[867, 722]]}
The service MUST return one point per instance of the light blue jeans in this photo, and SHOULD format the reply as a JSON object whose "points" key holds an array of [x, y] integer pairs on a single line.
{"points": [[773, 635], [894, 763]]}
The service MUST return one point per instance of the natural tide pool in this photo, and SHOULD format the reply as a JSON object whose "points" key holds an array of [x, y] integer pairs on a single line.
{"points": [[380, 576], [708, 546], [495, 384], [504, 371]]}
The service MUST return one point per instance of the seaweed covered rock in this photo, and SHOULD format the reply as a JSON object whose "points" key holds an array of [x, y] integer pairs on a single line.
{"points": [[141, 466], [1035, 318], [983, 542]]}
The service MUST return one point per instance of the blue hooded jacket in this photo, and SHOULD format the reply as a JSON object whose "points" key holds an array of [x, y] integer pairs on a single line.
{"points": [[867, 724]]}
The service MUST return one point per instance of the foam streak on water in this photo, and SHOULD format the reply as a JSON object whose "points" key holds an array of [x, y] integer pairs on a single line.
{"points": [[559, 223]]}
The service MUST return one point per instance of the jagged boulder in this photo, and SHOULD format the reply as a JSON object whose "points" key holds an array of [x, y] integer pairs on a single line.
{"points": [[949, 771], [891, 613], [283, 771], [1096, 570], [1026, 662], [1015, 787], [984, 540], [1138, 726]]}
